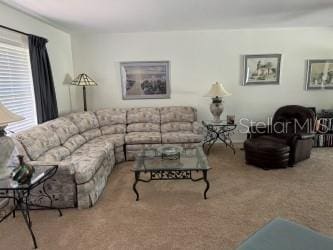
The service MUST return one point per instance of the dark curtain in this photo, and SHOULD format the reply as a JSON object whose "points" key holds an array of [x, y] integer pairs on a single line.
{"points": [[46, 101]]}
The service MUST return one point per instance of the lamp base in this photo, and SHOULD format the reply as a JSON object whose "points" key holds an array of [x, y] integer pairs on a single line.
{"points": [[4, 173], [6, 149], [216, 108]]}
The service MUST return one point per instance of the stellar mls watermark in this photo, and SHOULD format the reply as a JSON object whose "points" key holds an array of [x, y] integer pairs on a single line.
{"points": [[278, 127]]}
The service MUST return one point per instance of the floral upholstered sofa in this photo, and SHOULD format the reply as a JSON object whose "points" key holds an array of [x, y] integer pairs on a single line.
{"points": [[87, 145]]}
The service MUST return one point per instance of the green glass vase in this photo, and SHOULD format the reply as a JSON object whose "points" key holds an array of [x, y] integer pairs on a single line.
{"points": [[23, 172]]}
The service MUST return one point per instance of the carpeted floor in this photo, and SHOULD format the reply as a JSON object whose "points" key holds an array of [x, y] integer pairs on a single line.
{"points": [[174, 215]]}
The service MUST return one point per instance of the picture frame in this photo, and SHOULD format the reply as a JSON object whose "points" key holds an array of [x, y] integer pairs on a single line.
{"points": [[319, 74], [145, 80], [262, 69], [230, 119]]}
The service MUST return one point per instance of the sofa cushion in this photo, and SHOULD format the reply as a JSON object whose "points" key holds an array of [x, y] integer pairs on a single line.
{"points": [[118, 140], [111, 116], [143, 115], [139, 147], [176, 127], [197, 128], [74, 142], [181, 137], [64, 128], [55, 154], [98, 144], [37, 140], [113, 129], [85, 165], [84, 120], [91, 134], [143, 127], [88, 159], [143, 137], [177, 114]]}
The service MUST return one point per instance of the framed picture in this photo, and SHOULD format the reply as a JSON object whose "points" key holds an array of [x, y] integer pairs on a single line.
{"points": [[145, 80], [262, 69], [319, 74]]}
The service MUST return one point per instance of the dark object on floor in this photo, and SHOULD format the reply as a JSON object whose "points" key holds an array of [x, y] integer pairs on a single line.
{"points": [[293, 127], [265, 153], [283, 234]]}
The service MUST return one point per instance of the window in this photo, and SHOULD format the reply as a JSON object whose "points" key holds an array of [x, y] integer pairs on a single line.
{"points": [[16, 87]]}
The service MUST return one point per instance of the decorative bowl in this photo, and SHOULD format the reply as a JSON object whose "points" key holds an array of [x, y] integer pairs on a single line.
{"points": [[170, 152]]}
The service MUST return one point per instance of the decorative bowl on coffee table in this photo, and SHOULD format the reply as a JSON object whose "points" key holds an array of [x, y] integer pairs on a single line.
{"points": [[170, 152]]}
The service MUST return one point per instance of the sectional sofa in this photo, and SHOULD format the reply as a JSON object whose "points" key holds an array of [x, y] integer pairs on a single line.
{"points": [[87, 145]]}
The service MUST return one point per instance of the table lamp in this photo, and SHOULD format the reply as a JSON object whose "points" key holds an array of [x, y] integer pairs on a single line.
{"points": [[6, 143], [217, 92], [84, 80]]}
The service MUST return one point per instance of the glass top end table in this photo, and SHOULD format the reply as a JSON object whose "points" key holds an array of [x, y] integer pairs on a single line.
{"points": [[20, 194], [152, 162], [218, 131]]}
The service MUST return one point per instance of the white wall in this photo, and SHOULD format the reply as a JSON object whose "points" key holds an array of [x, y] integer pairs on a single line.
{"points": [[198, 59], [59, 49]]}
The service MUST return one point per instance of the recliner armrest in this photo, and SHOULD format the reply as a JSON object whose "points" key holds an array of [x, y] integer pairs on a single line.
{"points": [[63, 166], [305, 136], [197, 128]]}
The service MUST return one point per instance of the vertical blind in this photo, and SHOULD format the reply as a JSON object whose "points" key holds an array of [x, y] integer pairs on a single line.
{"points": [[16, 86]]}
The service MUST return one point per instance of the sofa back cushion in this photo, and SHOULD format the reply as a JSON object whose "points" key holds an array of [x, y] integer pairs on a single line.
{"points": [[84, 120], [143, 127], [55, 154], [111, 116], [176, 127], [74, 142], [38, 140], [114, 129], [143, 115], [64, 128], [87, 123], [91, 133], [112, 120], [178, 114]]}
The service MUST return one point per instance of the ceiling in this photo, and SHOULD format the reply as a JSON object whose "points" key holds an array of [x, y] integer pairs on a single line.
{"points": [[161, 15]]}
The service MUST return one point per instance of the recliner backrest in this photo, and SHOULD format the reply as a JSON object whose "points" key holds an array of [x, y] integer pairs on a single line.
{"points": [[177, 118], [293, 119], [146, 119]]}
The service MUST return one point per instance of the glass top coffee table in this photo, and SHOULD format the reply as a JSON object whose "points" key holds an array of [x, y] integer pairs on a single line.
{"points": [[170, 163]]}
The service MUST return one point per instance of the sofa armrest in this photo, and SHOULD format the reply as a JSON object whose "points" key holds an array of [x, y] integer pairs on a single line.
{"points": [[64, 167], [197, 128]]}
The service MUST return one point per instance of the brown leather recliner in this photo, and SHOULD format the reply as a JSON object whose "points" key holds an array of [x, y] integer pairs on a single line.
{"points": [[287, 141]]}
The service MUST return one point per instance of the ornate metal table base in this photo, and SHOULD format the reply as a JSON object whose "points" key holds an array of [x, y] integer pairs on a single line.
{"points": [[170, 175], [21, 203], [21, 197], [218, 131]]}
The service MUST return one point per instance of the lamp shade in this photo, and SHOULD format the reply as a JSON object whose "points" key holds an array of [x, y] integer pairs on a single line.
{"points": [[83, 80], [217, 89], [8, 117]]}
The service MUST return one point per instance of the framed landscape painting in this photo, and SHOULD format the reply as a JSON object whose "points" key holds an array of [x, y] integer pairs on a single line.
{"points": [[262, 69], [145, 80], [319, 74]]}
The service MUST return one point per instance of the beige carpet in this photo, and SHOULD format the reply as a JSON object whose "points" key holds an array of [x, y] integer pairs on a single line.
{"points": [[174, 215]]}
